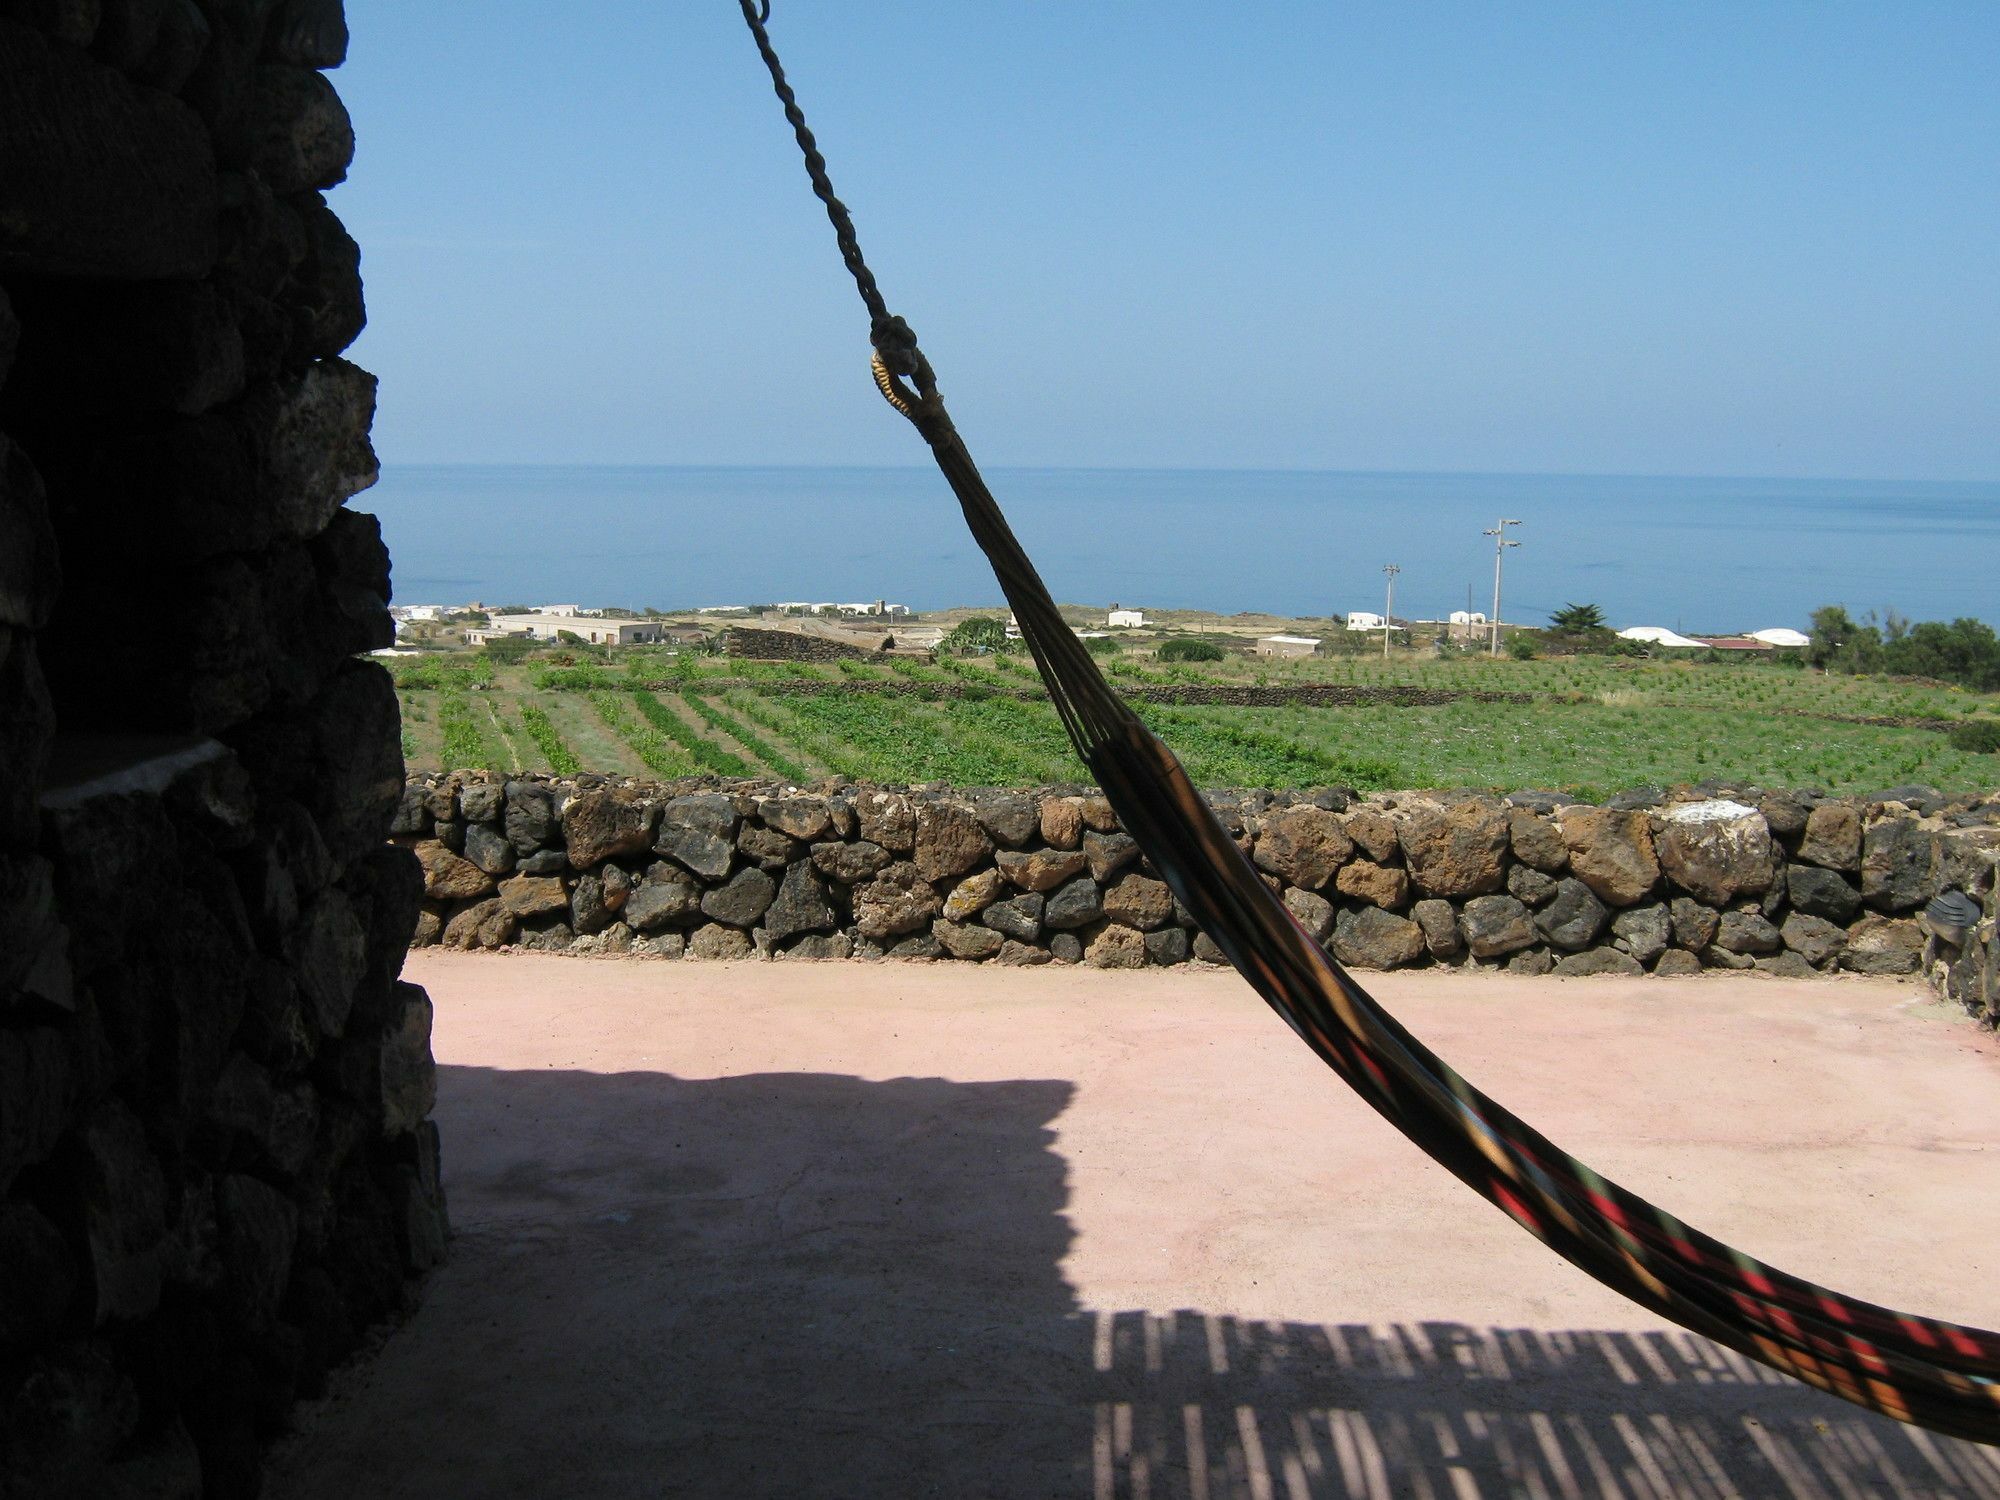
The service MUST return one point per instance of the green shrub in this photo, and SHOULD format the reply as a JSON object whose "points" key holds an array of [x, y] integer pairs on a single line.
{"points": [[1187, 648], [978, 634], [1521, 647], [510, 648], [1979, 737], [1103, 645]]}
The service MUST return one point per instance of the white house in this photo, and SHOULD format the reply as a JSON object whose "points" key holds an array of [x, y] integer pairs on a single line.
{"points": [[1287, 645], [1467, 617], [1778, 635], [1125, 618], [1361, 619]]}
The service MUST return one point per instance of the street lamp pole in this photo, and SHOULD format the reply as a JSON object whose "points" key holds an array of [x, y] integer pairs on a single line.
{"points": [[1389, 608], [1500, 546]]}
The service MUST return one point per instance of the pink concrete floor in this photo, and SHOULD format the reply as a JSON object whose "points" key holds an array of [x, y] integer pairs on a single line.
{"points": [[901, 1229]]}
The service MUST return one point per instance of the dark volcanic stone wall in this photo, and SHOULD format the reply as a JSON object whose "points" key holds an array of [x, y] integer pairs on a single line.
{"points": [[1790, 883], [787, 645], [216, 1168]]}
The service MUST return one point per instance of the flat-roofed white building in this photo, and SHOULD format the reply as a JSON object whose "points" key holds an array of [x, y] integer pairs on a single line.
{"points": [[1362, 620], [544, 625], [1125, 619], [1287, 645]]}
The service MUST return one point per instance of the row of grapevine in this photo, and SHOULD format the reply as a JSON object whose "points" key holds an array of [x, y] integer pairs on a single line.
{"points": [[703, 751], [467, 743], [660, 755], [556, 755], [720, 719]]}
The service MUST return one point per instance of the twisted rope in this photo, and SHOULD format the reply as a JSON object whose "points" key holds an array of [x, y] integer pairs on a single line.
{"points": [[1919, 1370]]}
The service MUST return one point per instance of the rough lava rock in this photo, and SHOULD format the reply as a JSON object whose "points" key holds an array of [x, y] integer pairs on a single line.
{"points": [[1821, 892], [1494, 926], [1387, 886], [800, 905], [1439, 921], [1457, 851], [1716, 851], [1611, 852], [1303, 845], [1573, 919], [1040, 869], [949, 840], [1832, 837], [1141, 902], [1314, 912], [1368, 937], [896, 901], [1896, 860], [742, 899]]}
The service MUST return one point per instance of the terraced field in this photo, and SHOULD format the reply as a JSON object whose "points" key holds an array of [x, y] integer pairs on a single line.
{"points": [[1587, 725]]}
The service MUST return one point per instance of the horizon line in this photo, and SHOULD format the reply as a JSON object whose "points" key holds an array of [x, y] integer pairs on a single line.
{"points": [[919, 467]]}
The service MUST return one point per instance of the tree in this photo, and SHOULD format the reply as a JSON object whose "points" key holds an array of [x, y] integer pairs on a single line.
{"points": [[1187, 648], [1837, 639], [1966, 652], [1578, 619]]}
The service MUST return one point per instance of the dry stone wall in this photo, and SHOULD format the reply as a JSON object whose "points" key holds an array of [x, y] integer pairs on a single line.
{"points": [[216, 1167], [1784, 882], [786, 645]]}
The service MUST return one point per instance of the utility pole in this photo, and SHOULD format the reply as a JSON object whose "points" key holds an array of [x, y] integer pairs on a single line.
{"points": [[1500, 546], [1389, 608]]}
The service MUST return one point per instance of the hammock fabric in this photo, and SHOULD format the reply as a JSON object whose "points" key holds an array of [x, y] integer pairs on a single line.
{"points": [[1918, 1370]]}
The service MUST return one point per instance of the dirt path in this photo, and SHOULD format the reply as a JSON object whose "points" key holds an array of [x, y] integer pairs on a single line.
{"points": [[589, 738], [841, 1230]]}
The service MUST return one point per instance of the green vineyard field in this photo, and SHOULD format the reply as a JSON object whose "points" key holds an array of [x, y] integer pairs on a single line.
{"points": [[1586, 725]]}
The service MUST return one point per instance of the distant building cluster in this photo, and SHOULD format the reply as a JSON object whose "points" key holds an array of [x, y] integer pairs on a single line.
{"points": [[879, 609]]}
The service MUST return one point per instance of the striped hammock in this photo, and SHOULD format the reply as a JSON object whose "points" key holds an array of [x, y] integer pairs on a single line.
{"points": [[1918, 1370]]}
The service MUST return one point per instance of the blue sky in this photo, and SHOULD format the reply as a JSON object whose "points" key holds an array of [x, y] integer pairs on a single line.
{"points": [[1687, 238]]}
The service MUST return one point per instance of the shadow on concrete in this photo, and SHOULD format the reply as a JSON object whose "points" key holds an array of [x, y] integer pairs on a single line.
{"points": [[808, 1285]]}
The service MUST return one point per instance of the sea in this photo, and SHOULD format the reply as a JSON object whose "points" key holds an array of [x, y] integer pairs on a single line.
{"points": [[1705, 555]]}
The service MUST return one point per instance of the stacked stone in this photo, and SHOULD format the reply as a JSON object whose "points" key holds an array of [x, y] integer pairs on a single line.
{"points": [[215, 1166], [1790, 883], [786, 645]]}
